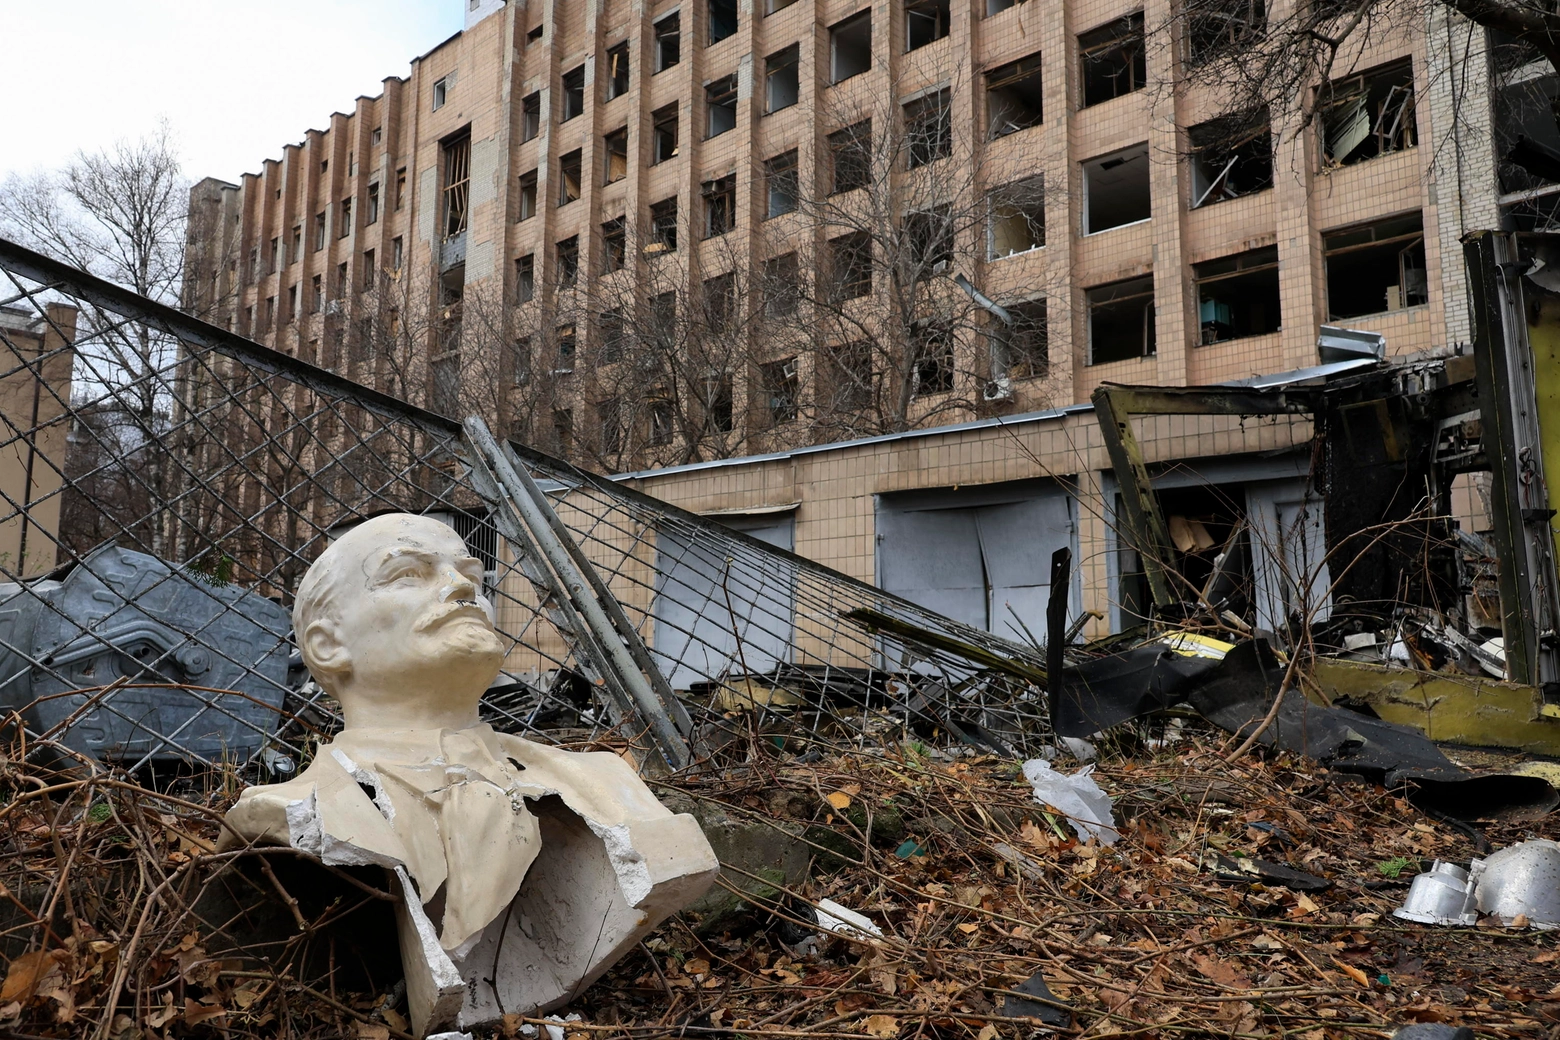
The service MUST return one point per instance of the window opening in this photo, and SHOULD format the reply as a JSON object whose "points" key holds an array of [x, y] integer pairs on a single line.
{"points": [[847, 375], [1013, 97], [1121, 320], [850, 150], [609, 425], [781, 78], [850, 47], [530, 116], [1021, 350], [932, 343], [400, 188], [659, 421], [522, 360], [929, 128], [1376, 267], [782, 285], [850, 264], [780, 178], [780, 385], [397, 253], [723, 19], [569, 261], [720, 303], [663, 145], [610, 325], [617, 70], [720, 102], [926, 21], [663, 318], [441, 91], [319, 231], [928, 240], [1238, 295], [1114, 59], [663, 227], [1369, 114], [614, 245], [1231, 156], [528, 195], [1016, 218], [457, 184], [525, 278], [668, 41], [720, 205], [616, 155], [573, 93], [564, 339], [998, 6], [1220, 27], [569, 166], [371, 214], [346, 216], [1115, 189]]}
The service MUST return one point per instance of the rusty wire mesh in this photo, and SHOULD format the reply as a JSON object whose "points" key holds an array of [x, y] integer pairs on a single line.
{"points": [[165, 485]]}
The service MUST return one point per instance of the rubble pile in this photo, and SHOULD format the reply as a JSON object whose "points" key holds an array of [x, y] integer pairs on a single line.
{"points": [[902, 891]]}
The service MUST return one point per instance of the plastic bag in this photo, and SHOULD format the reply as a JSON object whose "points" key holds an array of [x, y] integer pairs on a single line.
{"points": [[1077, 796]]}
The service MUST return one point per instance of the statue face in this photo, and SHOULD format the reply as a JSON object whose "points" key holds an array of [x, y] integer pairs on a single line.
{"points": [[411, 610]]}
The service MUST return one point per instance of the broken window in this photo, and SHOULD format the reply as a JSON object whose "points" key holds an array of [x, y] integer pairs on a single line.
{"points": [[319, 231], [609, 424], [527, 200], [845, 376], [276, 255], [926, 21], [1526, 140], [718, 403], [563, 430], [1015, 218], [1013, 97], [346, 218], [616, 148], [1375, 267], [444, 384], [317, 294], [850, 265], [782, 285], [400, 188], [295, 251], [1115, 190], [850, 152], [663, 318], [617, 70], [1113, 59], [663, 131], [371, 210], [1238, 295], [397, 252], [457, 184], [370, 274], [929, 128], [292, 303], [771, 6], [564, 338], [723, 19], [720, 105], [1231, 156], [668, 41], [441, 91], [452, 305], [614, 245], [780, 388], [1369, 114], [342, 282], [573, 93], [998, 6], [781, 183], [720, 205], [1218, 27], [781, 79], [522, 360], [932, 346], [568, 177], [720, 303], [928, 241], [850, 47], [659, 424], [610, 326], [530, 116], [663, 226], [569, 261], [1121, 320], [525, 278], [1021, 350]]}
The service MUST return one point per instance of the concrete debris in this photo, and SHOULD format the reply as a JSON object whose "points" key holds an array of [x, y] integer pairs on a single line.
{"points": [[1077, 797]]}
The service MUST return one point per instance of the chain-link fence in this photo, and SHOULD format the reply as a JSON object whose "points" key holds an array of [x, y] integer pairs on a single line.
{"points": [[166, 483]]}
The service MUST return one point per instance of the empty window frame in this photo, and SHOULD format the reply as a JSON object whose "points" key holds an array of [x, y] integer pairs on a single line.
{"points": [[781, 185], [1230, 157], [275, 255], [663, 226], [610, 425], [1220, 27], [441, 91], [569, 261], [1015, 218], [782, 83], [1369, 114], [845, 376], [668, 41], [660, 420], [319, 231], [663, 134], [850, 47], [530, 116], [998, 6], [1238, 295], [1121, 320], [850, 154], [444, 384], [371, 209], [780, 390], [400, 188], [1115, 190], [617, 71], [563, 429], [720, 303], [1013, 97], [565, 346], [931, 343], [1021, 350], [295, 250], [614, 245], [774, 6], [850, 266], [719, 403], [1113, 59], [723, 19], [397, 252], [346, 221], [720, 105], [457, 184], [928, 241], [573, 93], [610, 327], [568, 177], [522, 360], [926, 21], [527, 200], [616, 149], [720, 205], [929, 128], [1375, 267], [525, 278], [317, 294], [370, 272], [782, 285], [663, 319]]}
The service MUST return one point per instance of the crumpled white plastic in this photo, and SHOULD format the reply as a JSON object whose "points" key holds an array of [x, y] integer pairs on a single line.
{"points": [[1086, 806]]}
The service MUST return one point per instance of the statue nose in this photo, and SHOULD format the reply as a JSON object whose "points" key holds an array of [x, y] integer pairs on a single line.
{"points": [[457, 585]]}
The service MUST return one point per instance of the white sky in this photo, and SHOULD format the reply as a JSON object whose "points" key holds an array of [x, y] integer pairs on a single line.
{"points": [[236, 81]]}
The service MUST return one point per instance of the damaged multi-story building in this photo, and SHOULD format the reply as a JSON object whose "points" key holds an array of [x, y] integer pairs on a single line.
{"points": [[846, 273]]}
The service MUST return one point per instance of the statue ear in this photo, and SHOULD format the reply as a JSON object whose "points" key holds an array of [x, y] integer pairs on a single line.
{"points": [[323, 651]]}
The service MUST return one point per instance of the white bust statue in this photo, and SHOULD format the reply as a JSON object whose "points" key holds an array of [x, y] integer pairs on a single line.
{"points": [[524, 871]]}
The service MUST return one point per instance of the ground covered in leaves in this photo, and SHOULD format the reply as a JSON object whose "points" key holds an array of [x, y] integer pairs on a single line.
{"points": [[111, 929]]}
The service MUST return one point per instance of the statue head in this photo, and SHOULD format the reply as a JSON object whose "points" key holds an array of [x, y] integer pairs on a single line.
{"points": [[392, 622]]}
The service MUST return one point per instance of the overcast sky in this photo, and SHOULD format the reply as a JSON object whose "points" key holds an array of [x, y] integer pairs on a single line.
{"points": [[237, 81]]}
